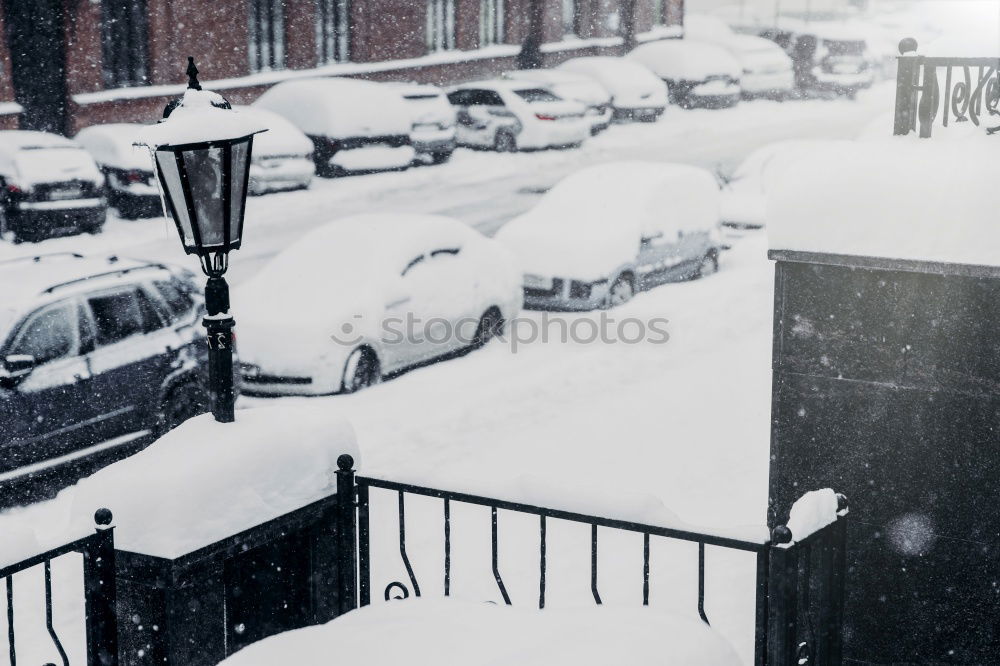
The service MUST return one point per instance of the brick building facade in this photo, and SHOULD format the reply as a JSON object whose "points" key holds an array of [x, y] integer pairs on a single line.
{"points": [[66, 64]]}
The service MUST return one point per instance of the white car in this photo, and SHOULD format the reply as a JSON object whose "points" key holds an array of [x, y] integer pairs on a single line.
{"points": [[698, 74], [608, 231], [508, 116], [767, 69], [49, 186], [574, 87], [128, 169], [355, 126], [636, 93], [433, 130], [282, 156], [369, 296], [743, 197]]}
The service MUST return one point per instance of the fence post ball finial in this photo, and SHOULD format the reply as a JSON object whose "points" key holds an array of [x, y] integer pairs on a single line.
{"points": [[781, 534], [103, 517], [842, 504], [907, 45], [345, 462]]}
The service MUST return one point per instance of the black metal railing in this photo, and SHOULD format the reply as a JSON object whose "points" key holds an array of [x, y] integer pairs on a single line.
{"points": [[954, 89], [799, 586], [98, 550]]}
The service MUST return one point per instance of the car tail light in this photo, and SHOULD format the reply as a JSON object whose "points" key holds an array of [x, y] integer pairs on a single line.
{"points": [[135, 176], [12, 188], [544, 116]]}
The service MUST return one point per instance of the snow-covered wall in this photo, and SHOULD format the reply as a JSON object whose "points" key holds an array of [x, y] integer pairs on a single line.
{"points": [[901, 198]]}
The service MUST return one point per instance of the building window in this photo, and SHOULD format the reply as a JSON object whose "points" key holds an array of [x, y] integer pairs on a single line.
{"points": [[267, 35], [569, 24], [490, 22], [124, 40], [440, 25], [333, 21], [659, 12]]}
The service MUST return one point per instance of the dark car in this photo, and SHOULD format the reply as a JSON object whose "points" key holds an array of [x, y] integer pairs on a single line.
{"points": [[827, 57], [98, 355], [49, 186]]}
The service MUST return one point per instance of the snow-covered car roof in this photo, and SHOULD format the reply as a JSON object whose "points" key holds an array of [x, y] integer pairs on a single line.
{"points": [[410, 88], [26, 280], [112, 145], [31, 157], [338, 107], [846, 30], [705, 26], [592, 221], [569, 84], [500, 85], [611, 72], [281, 138], [15, 140], [686, 59]]}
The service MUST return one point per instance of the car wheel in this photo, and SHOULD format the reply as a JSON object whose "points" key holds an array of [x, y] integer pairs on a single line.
{"points": [[621, 292], [440, 158], [709, 264], [505, 142], [361, 370], [182, 403], [490, 326]]}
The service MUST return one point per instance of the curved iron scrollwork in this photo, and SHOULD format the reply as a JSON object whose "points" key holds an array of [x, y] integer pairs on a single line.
{"points": [[396, 585]]}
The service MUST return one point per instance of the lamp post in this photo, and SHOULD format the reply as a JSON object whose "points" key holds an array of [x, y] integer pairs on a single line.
{"points": [[201, 150]]}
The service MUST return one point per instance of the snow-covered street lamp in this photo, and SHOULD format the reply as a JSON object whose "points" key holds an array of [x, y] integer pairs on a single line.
{"points": [[201, 149]]}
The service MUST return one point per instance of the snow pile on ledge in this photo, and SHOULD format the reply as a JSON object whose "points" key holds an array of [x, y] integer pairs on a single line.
{"points": [[903, 198], [449, 632], [205, 481], [812, 512], [200, 117]]}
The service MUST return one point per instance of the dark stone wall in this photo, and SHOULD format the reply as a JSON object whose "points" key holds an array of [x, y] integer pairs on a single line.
{"points": [[887, 388]]}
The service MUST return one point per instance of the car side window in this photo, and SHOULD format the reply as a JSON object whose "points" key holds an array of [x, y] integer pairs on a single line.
{"points": [[459, 97], [117, 315], [489, 98], [178, 300], [445, 251], [49, 334]]}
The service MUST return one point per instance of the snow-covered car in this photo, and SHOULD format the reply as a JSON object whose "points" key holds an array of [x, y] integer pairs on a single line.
{"points": [[512, 115], [574, 87], [355, 126], [49, 186], [433, 130], [698, 74], [767, 69], [127, 168], [608, 231], [636, 93], [282, 156], [367, 297], [744, 194], [827, 55]]}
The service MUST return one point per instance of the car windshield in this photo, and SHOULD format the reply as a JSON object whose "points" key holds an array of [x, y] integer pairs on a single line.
{"points": [[845, 47], [532, 95]]}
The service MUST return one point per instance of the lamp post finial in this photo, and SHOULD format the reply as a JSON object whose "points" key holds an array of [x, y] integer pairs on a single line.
{"points": [[192, 73]]}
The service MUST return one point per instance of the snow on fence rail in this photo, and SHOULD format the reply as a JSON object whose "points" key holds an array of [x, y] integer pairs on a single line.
{"points": [[98, 550]]}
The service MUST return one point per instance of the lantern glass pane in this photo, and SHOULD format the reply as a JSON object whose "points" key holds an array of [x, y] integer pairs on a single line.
{"points": [[166, 161], [241, 163], [205, 175]]}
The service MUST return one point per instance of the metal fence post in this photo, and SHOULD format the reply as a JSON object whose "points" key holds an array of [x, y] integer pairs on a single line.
{"points": [[100, 599], [783, 596], [346, 536], [907, 83]]}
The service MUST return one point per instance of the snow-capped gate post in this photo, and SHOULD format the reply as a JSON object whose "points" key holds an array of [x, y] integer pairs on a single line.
{"points": [[886, 381]]}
